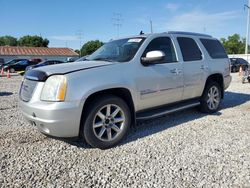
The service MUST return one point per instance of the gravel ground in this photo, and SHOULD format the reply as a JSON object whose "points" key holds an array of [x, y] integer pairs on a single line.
{"points": [[186, 149]]}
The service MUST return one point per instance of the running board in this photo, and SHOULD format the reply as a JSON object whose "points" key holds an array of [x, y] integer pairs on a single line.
{"points": [[165, 110]]}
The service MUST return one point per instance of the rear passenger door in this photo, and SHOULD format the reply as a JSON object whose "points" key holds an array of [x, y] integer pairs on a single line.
{"points": [[194, 67]]}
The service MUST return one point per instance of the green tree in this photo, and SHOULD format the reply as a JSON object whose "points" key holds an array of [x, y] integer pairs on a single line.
{"points": [[234, 44], [33, 41], [91, 46], [8, 41], [77, 51]]}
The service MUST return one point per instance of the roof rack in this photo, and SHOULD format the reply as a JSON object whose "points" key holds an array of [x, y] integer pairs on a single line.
{"points": [[189, 33]]}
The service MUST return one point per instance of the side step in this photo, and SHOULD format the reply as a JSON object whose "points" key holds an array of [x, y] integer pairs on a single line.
{"points": [[149, 114]]}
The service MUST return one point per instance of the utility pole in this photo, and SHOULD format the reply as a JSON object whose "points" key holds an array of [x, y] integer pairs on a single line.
{"points": [[117, 22], [151, 26], [204, 29], [247, 34], [79, 35]]}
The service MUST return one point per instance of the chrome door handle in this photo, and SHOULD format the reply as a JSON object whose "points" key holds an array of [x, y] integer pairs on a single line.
{"points": [[204, 67], [176, 71]]}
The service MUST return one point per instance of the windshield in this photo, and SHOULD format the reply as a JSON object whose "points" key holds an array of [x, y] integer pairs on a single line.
{"points": [[122, 50]]}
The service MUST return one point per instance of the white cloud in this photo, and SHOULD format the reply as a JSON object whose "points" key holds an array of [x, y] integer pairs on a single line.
{"points": [[65, 37], [197, 21], [172, 6]]}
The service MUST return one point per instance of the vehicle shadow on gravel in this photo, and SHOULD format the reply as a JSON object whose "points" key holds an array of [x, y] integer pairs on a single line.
{"points": [[153, 126], [150, 127], [5, 93], [232, 99]]}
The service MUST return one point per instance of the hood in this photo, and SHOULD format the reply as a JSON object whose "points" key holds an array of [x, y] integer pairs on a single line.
{"points": [[42, 73]]}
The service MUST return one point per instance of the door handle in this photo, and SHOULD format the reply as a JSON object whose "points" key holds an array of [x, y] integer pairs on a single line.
{"points": [[204, 67], [176, 71]]}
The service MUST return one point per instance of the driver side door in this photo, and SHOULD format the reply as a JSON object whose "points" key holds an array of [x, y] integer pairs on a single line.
{"points": [[160, 83]]}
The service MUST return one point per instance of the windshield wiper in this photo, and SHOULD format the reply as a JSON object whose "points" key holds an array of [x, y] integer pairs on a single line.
{"points": [[102, 59]]}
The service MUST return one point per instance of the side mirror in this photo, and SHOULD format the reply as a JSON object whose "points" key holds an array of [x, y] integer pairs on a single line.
{"points": [[153, 57]]}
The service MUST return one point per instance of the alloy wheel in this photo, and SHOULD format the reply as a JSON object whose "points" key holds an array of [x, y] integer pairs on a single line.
{"points": [[213, 99], [108, 122]]}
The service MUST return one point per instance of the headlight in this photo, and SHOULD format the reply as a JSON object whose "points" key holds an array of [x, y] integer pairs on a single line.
{"points": [[54, 88]]}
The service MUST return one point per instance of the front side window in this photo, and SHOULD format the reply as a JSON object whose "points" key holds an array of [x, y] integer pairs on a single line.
{"points": [[165, 45], [122, 50], [189, 49]]}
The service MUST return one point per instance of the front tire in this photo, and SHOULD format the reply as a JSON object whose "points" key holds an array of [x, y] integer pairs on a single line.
{"points": [[211, 98], [107, 122]]}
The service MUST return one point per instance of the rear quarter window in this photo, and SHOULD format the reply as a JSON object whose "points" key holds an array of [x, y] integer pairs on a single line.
{"points": [[214, 48]]}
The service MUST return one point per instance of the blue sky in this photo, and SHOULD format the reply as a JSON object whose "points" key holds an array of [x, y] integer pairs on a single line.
{"points": [[61, 20]]}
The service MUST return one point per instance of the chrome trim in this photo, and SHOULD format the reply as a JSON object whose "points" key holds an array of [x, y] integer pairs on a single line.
{"points": [[149, 91]]}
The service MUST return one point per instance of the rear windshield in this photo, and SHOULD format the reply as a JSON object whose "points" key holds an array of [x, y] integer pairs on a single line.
{"points": [[214, 48]]}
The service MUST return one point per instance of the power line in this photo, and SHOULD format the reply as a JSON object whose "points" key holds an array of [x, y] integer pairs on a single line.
{"points": [[117, 22]]}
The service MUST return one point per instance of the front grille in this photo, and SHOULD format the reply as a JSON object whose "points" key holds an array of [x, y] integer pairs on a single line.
{"points": [[27, 89]]}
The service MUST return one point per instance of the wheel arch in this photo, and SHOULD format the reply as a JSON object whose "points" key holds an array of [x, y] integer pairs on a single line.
{"points": [[121, 92], [217, 77]]}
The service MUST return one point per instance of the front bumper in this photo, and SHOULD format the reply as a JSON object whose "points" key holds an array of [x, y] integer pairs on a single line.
{"points": [[58, 119]]}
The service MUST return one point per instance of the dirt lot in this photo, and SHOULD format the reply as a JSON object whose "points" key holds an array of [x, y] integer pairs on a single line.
{"points": [[185, 149]]}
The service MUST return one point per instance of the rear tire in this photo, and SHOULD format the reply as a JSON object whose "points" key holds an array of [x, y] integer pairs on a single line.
{"points": [[107, 122], [211, 98]]}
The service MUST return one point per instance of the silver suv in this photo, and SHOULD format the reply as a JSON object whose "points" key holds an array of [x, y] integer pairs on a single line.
{"points": [[129, 79]]}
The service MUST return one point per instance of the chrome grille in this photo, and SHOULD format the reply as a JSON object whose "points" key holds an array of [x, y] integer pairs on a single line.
{"points": [[27, 89]]}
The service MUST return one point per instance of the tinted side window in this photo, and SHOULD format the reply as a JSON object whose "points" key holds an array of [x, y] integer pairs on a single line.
{"points": [[242, 61], [163, 44], [45, 63], [51, 62], [214, 48], [189, 49], [23, 63], [33, 63]]}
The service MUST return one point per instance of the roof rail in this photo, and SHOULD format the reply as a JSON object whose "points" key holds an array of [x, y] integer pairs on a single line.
{"points": [[189, 33]]}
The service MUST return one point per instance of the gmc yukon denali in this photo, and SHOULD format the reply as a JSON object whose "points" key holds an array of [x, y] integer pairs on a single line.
{"points": [[126, 80]]}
